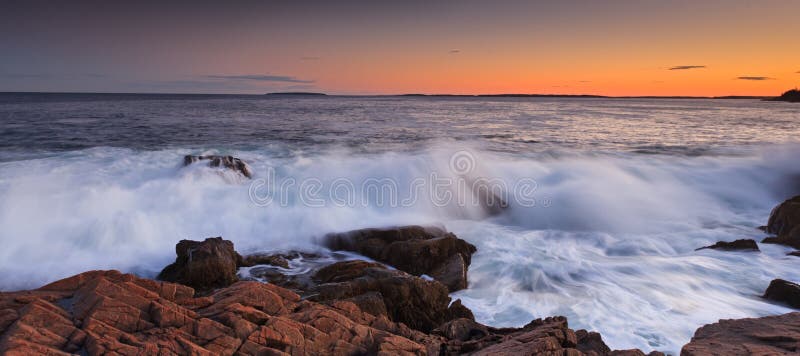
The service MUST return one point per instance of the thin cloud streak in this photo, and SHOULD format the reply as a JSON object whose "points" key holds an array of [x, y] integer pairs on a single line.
{"points": [[262, 78], [454, 51], [755, 78], [686, 67]]}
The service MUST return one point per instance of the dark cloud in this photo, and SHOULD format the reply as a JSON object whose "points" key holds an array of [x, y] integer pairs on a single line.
{"points": [[310, 58], [261, 78], [454, 51], [798, 72], [755, 78], [686, 67]]}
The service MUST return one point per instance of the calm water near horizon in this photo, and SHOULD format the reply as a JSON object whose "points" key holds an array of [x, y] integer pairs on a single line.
{"points": [[625, 191]]}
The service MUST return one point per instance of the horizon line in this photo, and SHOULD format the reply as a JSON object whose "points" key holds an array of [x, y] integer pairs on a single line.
{"points": [[318, 94]]}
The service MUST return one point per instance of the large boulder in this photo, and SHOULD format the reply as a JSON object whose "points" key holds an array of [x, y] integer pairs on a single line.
{"points": [[413, 249], [783, 291], [784, 222], [738, 245], [229, 162], [203, 265], [772, 335], [421, 304]]}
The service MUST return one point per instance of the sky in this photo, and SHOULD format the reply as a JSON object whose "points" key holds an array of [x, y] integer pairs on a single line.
{"points": [[696, 48]]}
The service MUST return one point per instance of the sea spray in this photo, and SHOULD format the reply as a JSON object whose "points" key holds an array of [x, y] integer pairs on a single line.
{"points": [[608, 241]]}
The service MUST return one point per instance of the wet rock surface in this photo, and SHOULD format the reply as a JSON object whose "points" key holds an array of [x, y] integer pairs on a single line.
{"points": [[416, 302], [784, 222], [785, 292], [229, 162], [106, 312], [738, 245], [110, 313], [203, 265], [772, 335], [413, 249]]}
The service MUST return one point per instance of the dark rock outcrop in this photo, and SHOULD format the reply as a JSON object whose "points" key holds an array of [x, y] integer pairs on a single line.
{"points": [[110, 313], [278, 260], [228, 162], [782, 241], [738, 245], [772, 335], [413, 249], [784, 222], [792, 95], [203, 265], [783, 291], [421, 304]]}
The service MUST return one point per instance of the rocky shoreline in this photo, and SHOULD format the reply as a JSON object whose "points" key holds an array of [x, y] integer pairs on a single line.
{"points": [[395, 300], [346, 307]]}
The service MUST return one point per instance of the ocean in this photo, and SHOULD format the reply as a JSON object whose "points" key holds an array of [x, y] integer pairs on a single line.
{"points": [[605, 200]]}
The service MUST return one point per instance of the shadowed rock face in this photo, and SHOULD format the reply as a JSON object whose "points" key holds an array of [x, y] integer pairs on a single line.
{"points": [[228, 162], [110, 313], [772, 335], [421, 304], [784, 221], [784, 292], [738, 245], [413, 249], [203, 265]]}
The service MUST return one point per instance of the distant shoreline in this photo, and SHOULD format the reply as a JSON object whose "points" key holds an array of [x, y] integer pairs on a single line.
{"points": [[323, 95]]}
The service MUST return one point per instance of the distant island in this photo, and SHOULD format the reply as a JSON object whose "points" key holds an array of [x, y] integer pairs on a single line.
{"points": [[790, 96], [296, 93], [589, 96]]}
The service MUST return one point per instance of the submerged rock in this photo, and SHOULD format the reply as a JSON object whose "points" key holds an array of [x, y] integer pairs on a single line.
{"points": [[771, 335], [783, 291], [414, 249], [278, 260], [738, 245], [203, 265], [228, 162]]}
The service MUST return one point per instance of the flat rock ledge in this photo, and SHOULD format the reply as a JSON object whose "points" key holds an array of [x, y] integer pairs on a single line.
{"points": [[772, 335]]}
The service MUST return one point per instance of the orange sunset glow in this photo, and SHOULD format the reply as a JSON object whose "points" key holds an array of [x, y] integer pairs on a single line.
{"points": [[617, 48], [400, 177]]}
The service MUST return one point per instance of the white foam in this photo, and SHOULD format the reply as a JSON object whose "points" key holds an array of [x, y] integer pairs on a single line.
{"points": [[610, 242]]}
